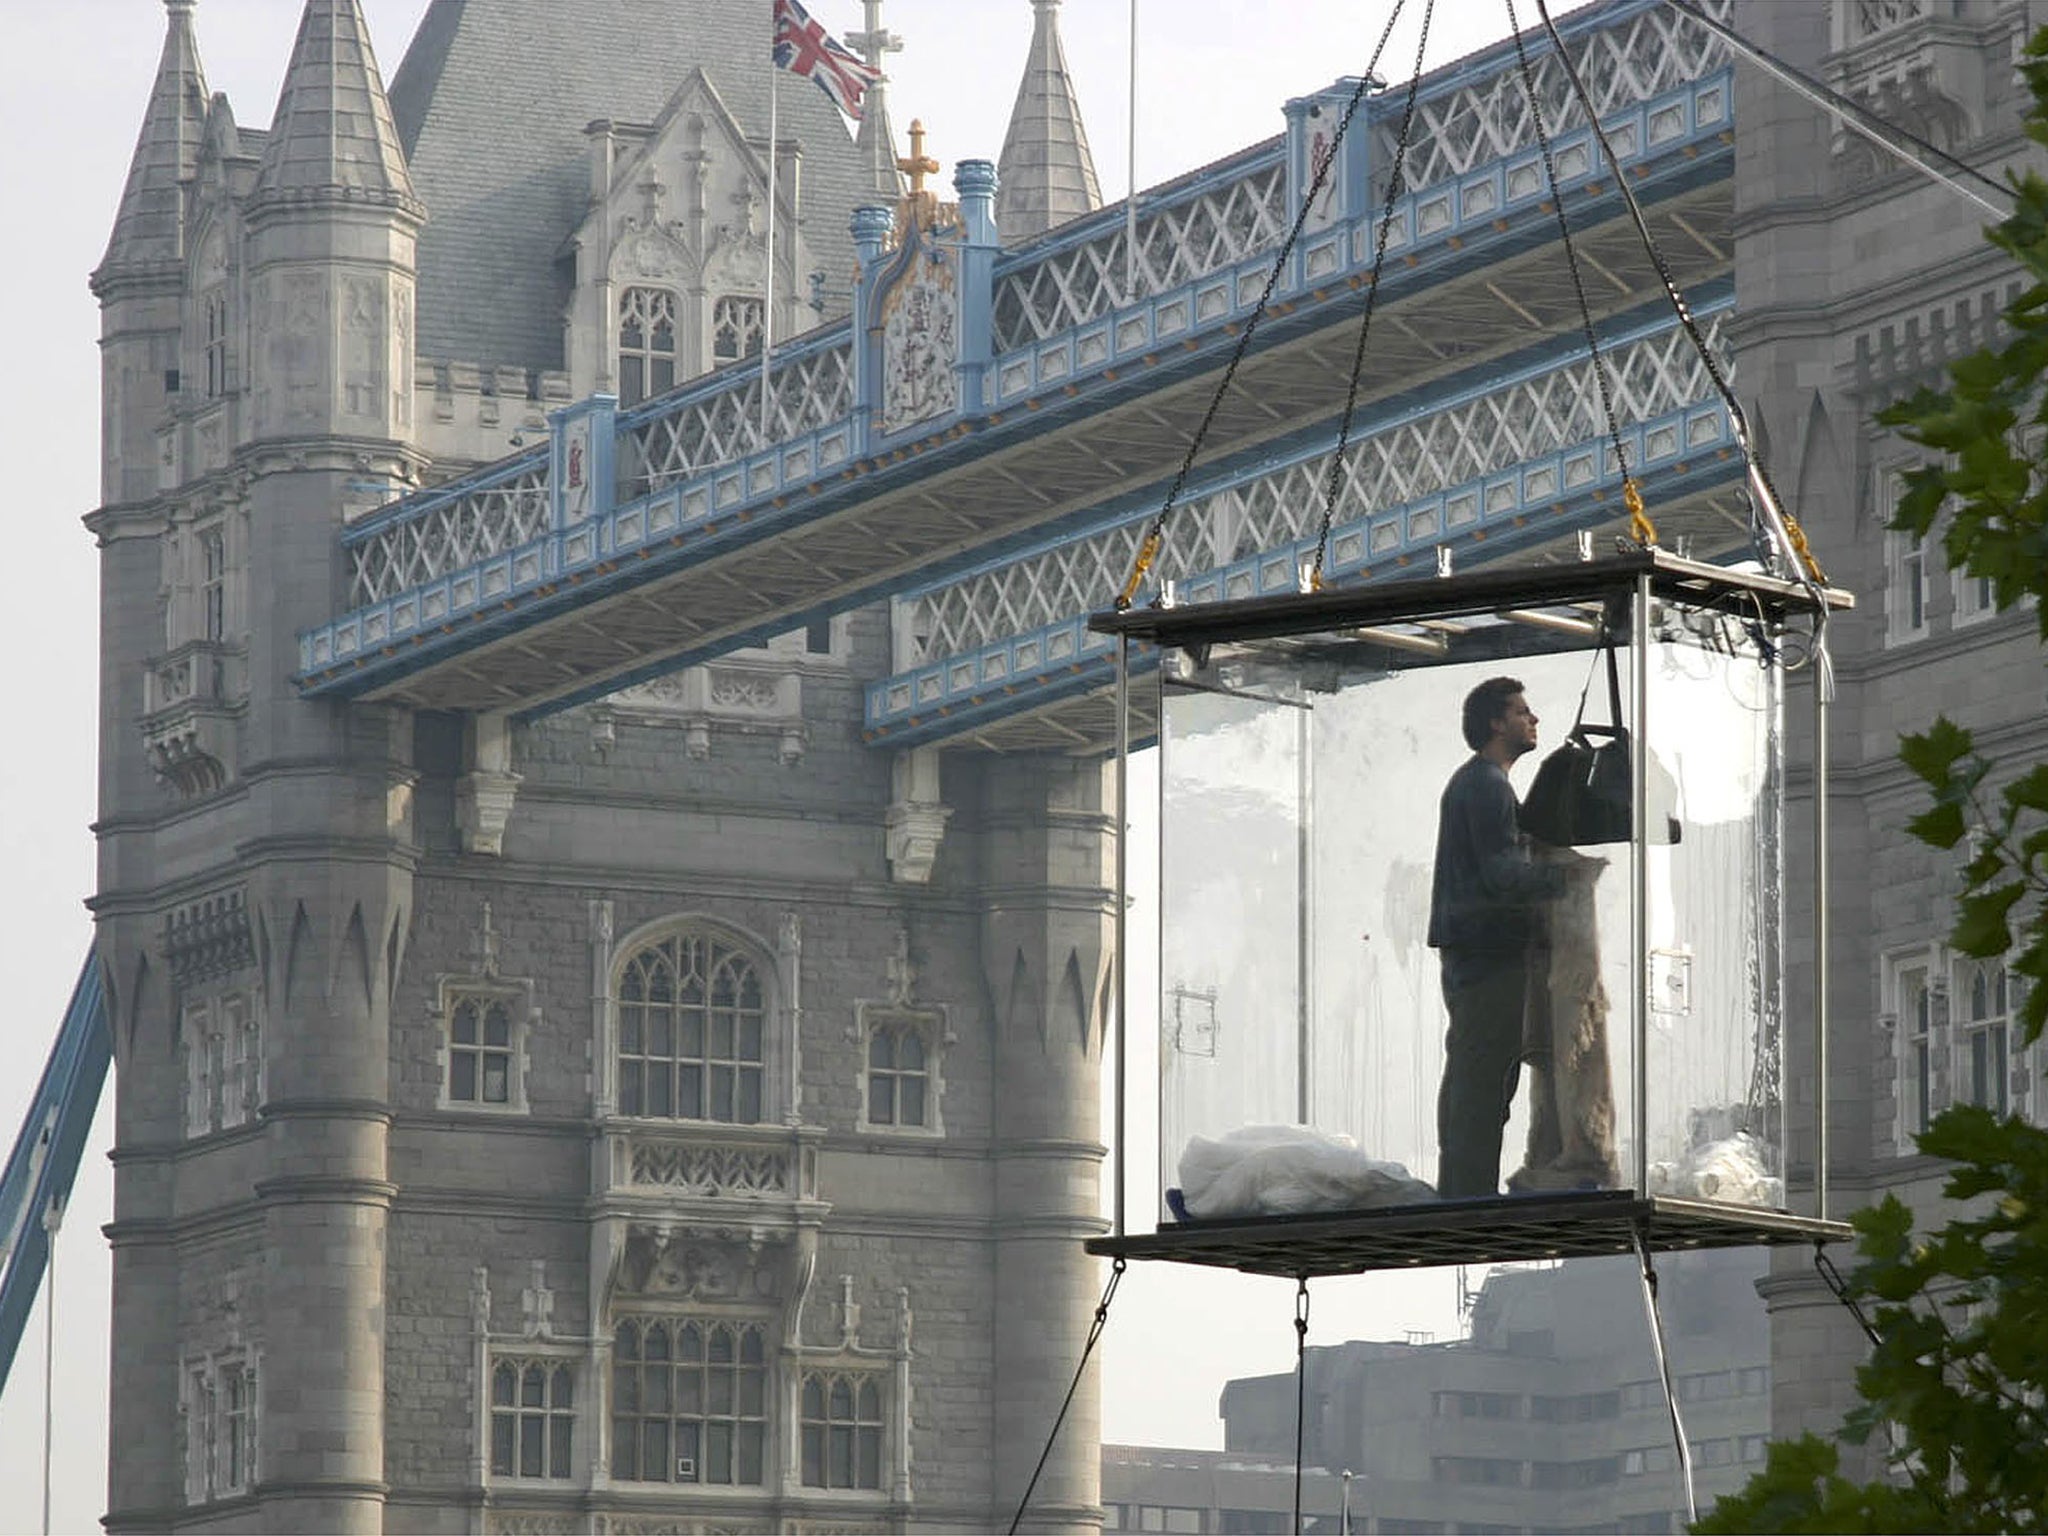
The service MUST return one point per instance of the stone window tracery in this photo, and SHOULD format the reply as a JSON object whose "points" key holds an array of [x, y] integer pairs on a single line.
{"points": [[736, 325], [647, 343], [690, 1401], [533, 1419], [486, 1023], [902, 1082], [480, 1051], [1985, 1065], [842, 1430], [692, 1031]]}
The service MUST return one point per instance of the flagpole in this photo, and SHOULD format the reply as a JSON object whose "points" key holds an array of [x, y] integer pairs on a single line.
{"points": [[1131, 183], [768, 296]]}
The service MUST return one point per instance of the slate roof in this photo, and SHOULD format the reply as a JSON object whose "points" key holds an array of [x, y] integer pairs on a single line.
{"points": [[147, 224], [491, 103], [1046, 175], [333, 135]]}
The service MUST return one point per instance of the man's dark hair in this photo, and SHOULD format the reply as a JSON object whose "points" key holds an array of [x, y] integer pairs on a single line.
{"points": [[1486, 704]]}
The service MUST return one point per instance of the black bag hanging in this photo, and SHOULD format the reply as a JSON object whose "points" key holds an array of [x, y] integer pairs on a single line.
{"points": [[1583, 789]]}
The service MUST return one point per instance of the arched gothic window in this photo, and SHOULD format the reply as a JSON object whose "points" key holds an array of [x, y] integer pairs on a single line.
{"points": [[215, 306], [647, 343], [735, 328], [692, 1028], [842, 1430]]}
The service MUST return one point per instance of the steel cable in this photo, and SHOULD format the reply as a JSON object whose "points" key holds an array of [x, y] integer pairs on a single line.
{"points": [[1372, 291], [1148, 547]]}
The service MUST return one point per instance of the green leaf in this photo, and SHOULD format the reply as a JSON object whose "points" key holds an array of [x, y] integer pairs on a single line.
{"points": [[2030, 789], [1942, 827], [1982, 930], [1933, 753]]}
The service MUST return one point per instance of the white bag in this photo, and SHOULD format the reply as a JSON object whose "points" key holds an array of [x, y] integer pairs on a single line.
{"points": [[1288, 1170]]}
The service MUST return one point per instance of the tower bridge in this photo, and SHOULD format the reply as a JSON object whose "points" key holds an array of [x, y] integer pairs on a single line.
{"points": [[1083, 368]]}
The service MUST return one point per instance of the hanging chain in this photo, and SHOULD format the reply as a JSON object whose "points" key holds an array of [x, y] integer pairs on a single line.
{"points": [[1372, 293], [1736, 418], [1640, 528], [1116, 1273], [1155, 534], [1300, 1386]]}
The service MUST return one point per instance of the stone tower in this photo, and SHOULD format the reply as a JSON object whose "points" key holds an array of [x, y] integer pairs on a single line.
{"points": [[661, 1112], [1915, 1027]]}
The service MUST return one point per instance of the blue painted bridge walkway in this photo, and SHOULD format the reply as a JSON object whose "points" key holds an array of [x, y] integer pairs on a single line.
{"points": [[989, 468]]}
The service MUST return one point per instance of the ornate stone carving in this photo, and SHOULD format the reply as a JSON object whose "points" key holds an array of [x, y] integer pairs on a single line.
{"points": [[209, 938], [748, 696], [915, 823], [691, 1264], [712, 1170], [742, 691], [920, 338], [192, 698], [484, 796]]}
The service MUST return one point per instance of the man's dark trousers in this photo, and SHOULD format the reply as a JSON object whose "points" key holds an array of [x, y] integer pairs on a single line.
{"points": [[1482, 1066]]}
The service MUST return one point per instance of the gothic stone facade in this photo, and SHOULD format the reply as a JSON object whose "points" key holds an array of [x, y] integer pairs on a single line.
{"points": [[639, 1120], [1856, 278]]}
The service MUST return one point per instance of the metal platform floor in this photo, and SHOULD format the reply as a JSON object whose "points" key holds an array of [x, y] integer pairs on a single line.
{"points": [[1506, 1229]]}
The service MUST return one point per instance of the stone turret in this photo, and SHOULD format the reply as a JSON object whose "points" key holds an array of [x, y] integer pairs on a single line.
{"points": [[333, 223], [264, 944], [1046, 175], [138, 280]]}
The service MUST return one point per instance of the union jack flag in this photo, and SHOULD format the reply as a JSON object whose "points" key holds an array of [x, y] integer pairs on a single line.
{"points": [[805, 48]]}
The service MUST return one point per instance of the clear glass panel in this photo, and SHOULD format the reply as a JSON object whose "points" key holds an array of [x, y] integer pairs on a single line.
{"points": [[1714, 1042], [1307, 783]]}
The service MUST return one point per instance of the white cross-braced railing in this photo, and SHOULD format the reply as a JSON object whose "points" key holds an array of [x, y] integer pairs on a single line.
{"points": [[1475, 436], [444, 531], [718, 421], [1198, 229], [1473, 114], [1463, 124]]}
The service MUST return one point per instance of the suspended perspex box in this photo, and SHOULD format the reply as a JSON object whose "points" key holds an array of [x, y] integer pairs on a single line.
{"points": [[1638, 961]]}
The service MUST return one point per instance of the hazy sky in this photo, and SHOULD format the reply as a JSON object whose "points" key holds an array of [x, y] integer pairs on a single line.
{"points": [[74, 78]]}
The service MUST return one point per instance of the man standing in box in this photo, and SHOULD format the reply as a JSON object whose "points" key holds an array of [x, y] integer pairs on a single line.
{"points": [[1484, 920]]}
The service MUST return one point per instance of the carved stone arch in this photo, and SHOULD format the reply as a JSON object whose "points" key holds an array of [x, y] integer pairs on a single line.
{"points": [[1017, 1008], [759, 947], [1820, 457], [656, 256], [1073, 1000], [211, 243], [298, 954], [352, 971]]}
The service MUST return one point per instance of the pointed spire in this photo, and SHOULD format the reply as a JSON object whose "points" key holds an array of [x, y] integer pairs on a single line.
{"points": [[1046, 175], [876, 141], [149, 228], [333, 137]]}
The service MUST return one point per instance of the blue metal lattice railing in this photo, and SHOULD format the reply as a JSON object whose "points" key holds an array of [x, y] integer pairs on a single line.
{"points": [[697, 457]]}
